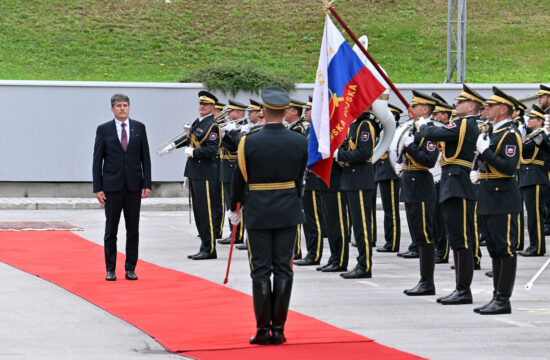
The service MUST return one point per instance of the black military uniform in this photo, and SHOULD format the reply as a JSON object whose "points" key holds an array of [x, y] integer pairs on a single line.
{"points": [[268, 182], [545, 91], [298, 127], [219, 205], [519, 112], [201, 170], [499, 205], [314, 211], [389, 184], [228, 151], [418, 194], [457, 194], [357, 182], [533, 183]]}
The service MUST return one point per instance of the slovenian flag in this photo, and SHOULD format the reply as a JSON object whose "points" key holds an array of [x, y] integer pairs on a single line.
{"points": [[344, 89]]}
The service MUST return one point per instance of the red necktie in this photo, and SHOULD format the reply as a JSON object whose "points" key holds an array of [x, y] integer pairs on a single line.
{"points": [[124, 137]]}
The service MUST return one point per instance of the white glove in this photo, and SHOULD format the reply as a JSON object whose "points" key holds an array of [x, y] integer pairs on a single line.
{"points": [[245, 128], [234, 217], [408, 139], [398, 169], [546, 131], [230, 126], [335, 155], [482, 144], [189, 152], [474, 176], [538, 139], [420, 122], [522, 130], [168, 148]]}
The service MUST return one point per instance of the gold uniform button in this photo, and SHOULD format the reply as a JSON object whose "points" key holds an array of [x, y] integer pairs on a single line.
{"points": [[353, 170], [412, 179], [496, 189]]}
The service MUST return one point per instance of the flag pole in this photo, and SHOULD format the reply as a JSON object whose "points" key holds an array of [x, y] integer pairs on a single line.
{"points": [[330, 8]]}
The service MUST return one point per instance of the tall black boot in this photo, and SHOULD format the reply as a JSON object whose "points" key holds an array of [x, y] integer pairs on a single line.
{"points": [[427, 263], [261, 296], [465, 273], [506, 279], [455, 268], [496, 273], [280, 301]]}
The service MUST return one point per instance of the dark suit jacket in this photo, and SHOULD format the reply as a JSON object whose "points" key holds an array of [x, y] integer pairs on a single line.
{"points": [[112, 167]]}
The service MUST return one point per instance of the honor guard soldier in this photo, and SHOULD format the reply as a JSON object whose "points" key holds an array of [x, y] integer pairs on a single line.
{"points": [[254, 110], [544, 98], [544, 105], [293, 114], [442, 113], [418, 193], [219, 206], [457, 194], [357, 182], [533, 181], [228, 151], [499, 198], [201, 145], [314, 208], [268, 183], [389, 184]]}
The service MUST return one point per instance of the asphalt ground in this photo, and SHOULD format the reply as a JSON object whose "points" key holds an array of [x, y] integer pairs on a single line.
{"points": [[40, 320]]}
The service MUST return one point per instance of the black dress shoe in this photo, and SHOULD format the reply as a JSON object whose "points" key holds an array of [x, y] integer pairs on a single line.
{"points": [[459, 297], [439, 260], [242, 246], [479, 308], [421, 289], [130, 275], [500, 305], [444, 297], [489, 274], [205, 256], [110, 276], [356, 274], [383, 250], [320, 268], [262, 338], [410, 255], [334, 268], [225, 241], [529, 253], [192, 256], [306, 262]]}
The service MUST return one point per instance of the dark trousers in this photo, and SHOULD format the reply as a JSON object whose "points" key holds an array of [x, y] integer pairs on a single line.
{"points": [[458, 214], [389, 194], [441, 240], [420, 221], [271, 251], [219, 209], [203, 193], [314, 211], [240, 227], [521, 226], [129, 202], [360, 210], [503, 238], [337, 227], [534, 203]]}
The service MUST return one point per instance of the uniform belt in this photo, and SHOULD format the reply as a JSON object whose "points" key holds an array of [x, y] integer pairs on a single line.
{"points": [[272, 186], [412, 167], [488, 175], [229, 157], [464, 163]]}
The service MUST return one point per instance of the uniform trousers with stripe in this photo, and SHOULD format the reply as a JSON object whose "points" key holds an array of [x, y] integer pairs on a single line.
{"points": [[521, 225], [420, 221], [202, 194], [360, 210], [534, 203], [503, 238], [314, 211], [458, 214], [240, 227], [271, 252], [441, 240], [219, 209], [337, 227], [389, 194]]}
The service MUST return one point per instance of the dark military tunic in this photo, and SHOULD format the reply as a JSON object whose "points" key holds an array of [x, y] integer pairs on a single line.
{"points": [[202, 169], [268, 183], [499, 196]]}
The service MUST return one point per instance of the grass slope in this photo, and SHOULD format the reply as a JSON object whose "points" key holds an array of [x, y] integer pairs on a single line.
{"points": [[151, 40]]}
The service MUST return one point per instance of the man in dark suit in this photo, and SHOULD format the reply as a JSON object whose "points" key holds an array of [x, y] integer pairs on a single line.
{"points": [[268, 182], [121, 178]]}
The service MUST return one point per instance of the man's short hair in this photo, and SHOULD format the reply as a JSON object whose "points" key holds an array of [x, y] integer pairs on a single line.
{"points": [[274, 113], [119, 98]]}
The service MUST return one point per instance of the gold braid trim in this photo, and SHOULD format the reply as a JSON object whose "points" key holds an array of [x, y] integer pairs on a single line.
{"points": [[241, 159], [461, 137]]}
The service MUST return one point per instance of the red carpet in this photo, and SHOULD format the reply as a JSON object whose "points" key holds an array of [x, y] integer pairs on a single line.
{"points": [[185, 313]]}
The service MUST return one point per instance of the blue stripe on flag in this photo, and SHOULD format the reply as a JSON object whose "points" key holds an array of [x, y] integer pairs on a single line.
{"points": [[342, 68], [313, 154]]}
